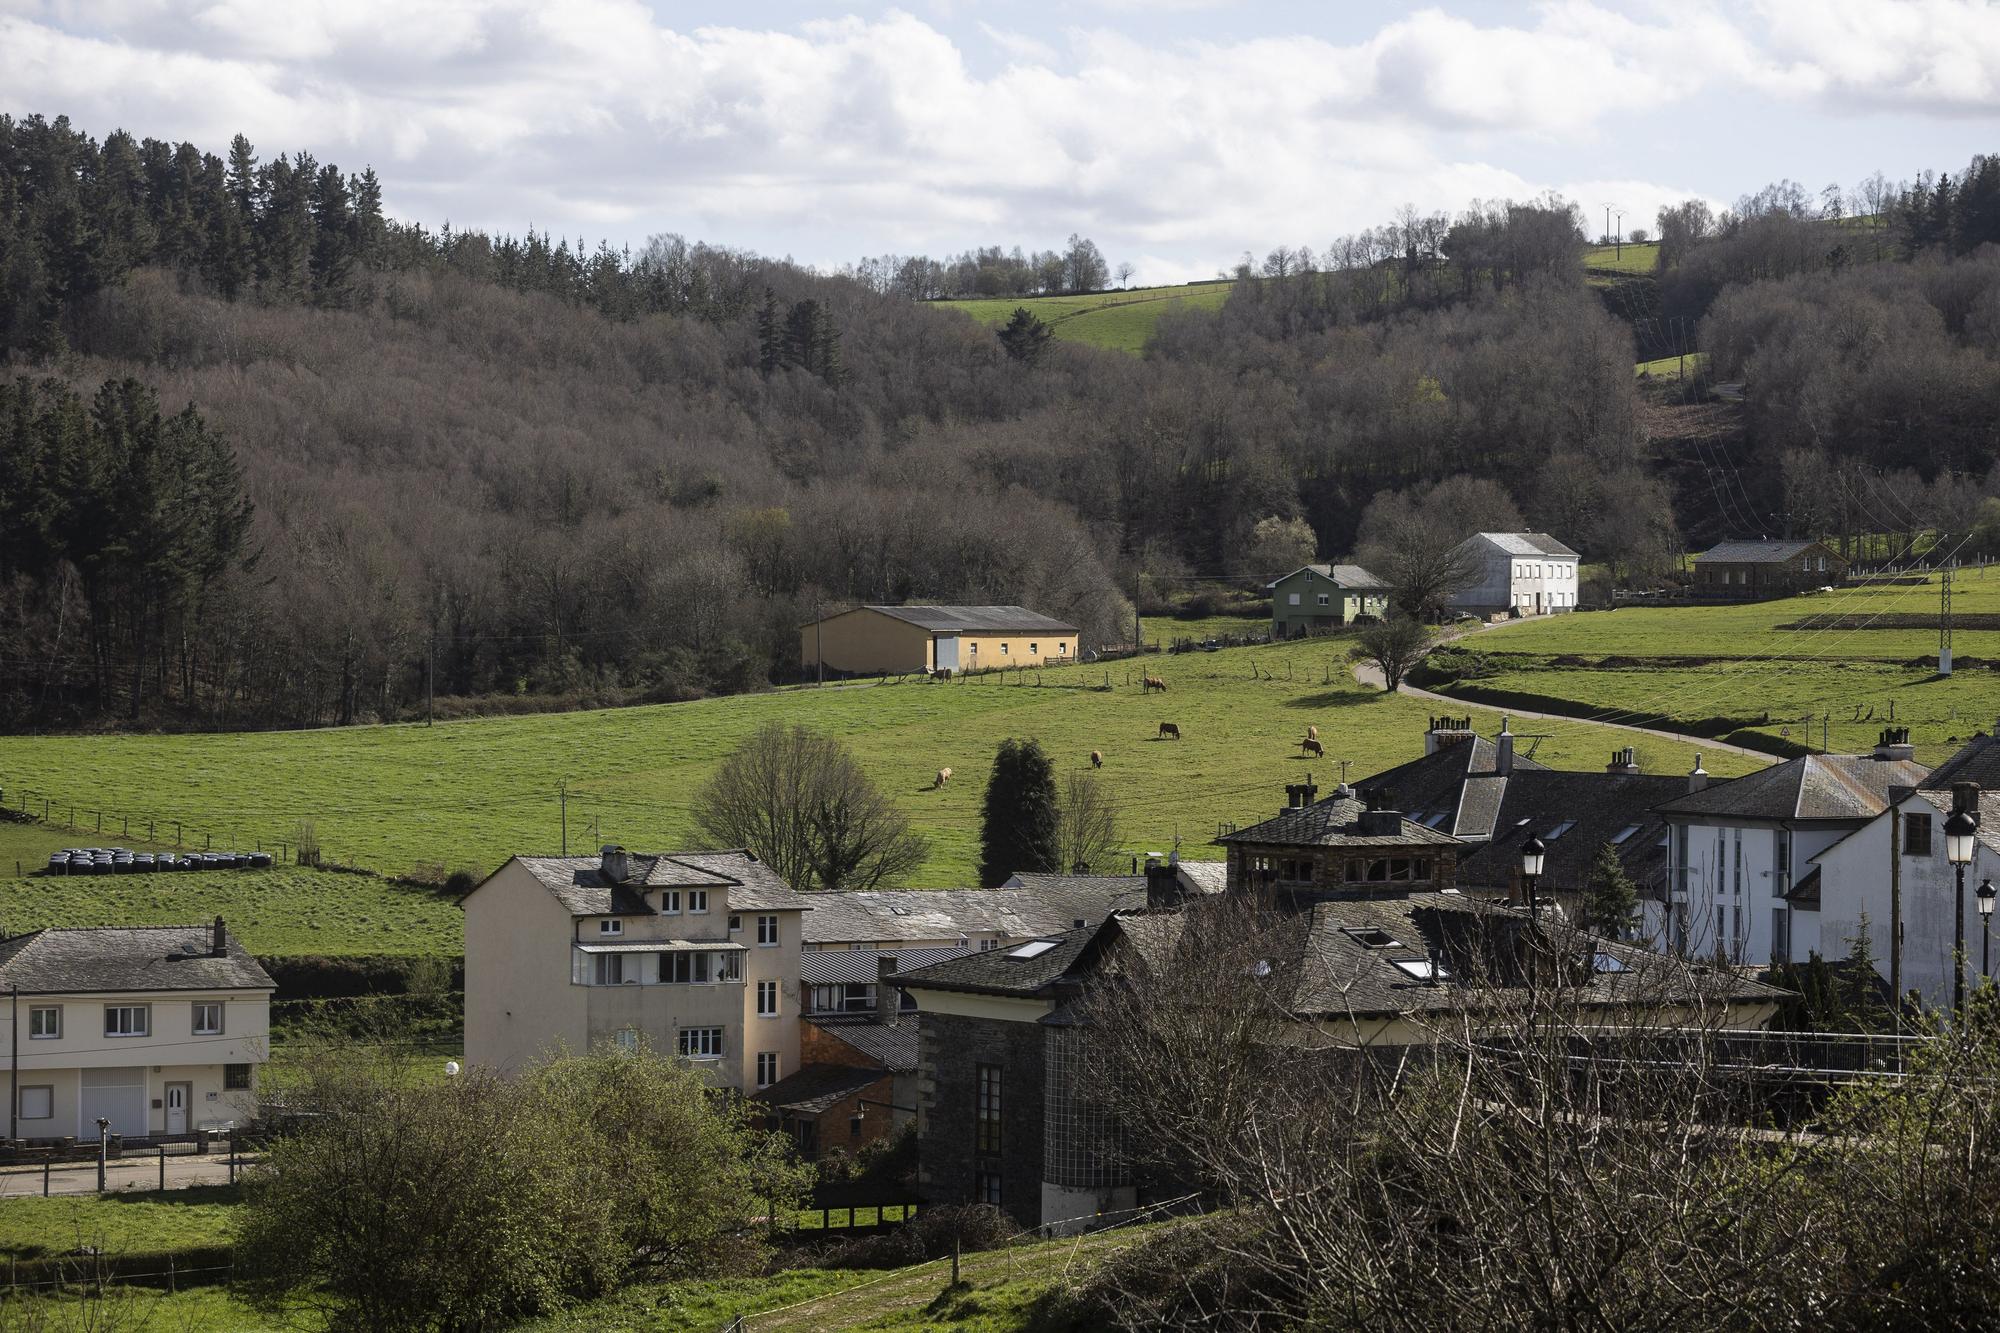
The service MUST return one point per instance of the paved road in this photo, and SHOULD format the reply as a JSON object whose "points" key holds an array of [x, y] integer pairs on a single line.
{"points": [[126, 1174]]}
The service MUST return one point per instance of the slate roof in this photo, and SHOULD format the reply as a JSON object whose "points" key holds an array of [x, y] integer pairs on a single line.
{"points": [[1814, 786], [1001, 971], [817, 1088], [1755, 553], [1351, 577], [1204, 876], [1978, 760], [1597, 806], [127, 958], [578, 882], [976, 619], [1528, 543], [1426, 786], [1056, 902], [1333, 822], [893, 1046], [848, 967]]}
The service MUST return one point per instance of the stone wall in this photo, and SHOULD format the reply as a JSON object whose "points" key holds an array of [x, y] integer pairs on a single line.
{"points": [[950, 1048]]}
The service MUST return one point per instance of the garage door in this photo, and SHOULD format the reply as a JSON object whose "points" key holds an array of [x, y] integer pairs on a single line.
{"points": [[118, 1095], [947, 652]]}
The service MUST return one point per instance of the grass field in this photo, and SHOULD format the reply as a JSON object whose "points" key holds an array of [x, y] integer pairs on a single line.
{"points": [[1624, 259], [1672, 367], [35, 1228], [1122, 320], [472, 793]]}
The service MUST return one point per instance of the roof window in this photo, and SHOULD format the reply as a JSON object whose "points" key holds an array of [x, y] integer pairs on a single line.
{"points": [[1618, 839], [1373, 937], [1032, 949], [1421, 969], [1607, 962], [1559, 830]]}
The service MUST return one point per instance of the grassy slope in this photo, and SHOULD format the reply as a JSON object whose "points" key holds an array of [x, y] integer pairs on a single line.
{"points": [[1121, 319], [33, 1228], [475, 792], [1622, 259]]}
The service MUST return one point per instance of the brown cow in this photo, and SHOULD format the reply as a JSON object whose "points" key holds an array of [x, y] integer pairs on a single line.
{"points": [[1097, 759], [1309, 746], [944, 776], [1312, 733], [1147, 684], [1169, 729]]}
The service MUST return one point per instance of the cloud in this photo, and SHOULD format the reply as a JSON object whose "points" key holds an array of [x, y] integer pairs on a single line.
{"points": [[849, 135]]}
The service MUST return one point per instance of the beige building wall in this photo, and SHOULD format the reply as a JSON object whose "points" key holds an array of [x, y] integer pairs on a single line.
{"points": [[863, 640], [519, 1003], [986, 651]]}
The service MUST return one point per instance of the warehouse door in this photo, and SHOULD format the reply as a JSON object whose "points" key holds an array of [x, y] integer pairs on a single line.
{"points": [[117, 1095], [947, 652]]}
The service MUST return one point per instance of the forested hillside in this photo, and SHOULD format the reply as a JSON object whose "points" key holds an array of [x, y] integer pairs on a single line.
{"points": [[547, 473]]}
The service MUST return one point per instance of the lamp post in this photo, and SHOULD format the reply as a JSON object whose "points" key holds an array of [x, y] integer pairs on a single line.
{"points": [[1960, 832], [1986, 893], [1533, 851]]}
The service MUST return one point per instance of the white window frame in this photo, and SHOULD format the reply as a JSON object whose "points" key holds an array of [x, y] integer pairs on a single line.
{"points": [[1294, 598], [611, 927], [670, 902], [697, 902], [1325, 599], [626, 1040], [195, 1019], [702, 1043], [767, 1068], [767, 932], [767, 999], [35, 1013], [145, 1025], [735, 922], [608, 969], [48, 1101]]}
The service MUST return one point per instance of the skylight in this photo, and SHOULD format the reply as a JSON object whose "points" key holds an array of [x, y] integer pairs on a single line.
{"points": [[1032, 949], [1559, 830], [1421, 969], [1607, 962], [1374, 937], [1624, 833], [1436, 817], [899, 911]]}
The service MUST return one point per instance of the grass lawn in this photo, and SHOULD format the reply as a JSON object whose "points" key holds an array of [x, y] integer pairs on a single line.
{"points": [[25, 848], [1627, 258], [1671, 367], [1163, 630], [473, 792], [1120, 319], [199, 1310], [35, 1228]]}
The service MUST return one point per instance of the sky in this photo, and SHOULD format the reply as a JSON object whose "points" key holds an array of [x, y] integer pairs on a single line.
{"points": [[1177, 134]]}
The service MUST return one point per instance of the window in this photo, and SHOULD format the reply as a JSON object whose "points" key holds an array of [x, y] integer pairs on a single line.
{"points": [[38, 1102], [767, 931], [1003, 649], [1784, 859], [670, 902], [1618, 838], [1032, 949], [986, 1109], [729, 967], [1559, 830], [127, 1020], [1388, 869], [767, 1068], [697, 900], [767, 999], [610, 969], [626, 1040], [1421, 969], [1736, 861], [208, 1018], [686, 968], [700, 1043], [1607, 962], [735, 923], [1062, 648], [986, 1187], [1916, 835], [1292, 598], [1324, 599], [45, 1022], [1034, 650], [611, 927], [987, 946], [1781, 934], [236, 1078]]}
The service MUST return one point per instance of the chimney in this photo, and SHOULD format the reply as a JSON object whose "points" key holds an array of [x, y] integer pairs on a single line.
{"points": [[1965, 798], [1894, 743], [1163, 885], [1623, 761], [220, 946], [1299, 795], [614, 863], [1698, 777], [1380, 819], [1503, 749], [888, 1000], [1445, 731]]}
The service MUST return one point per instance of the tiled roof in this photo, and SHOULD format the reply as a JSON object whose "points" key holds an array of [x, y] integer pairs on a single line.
{"points": [[1204, 876], [1333, 822], [1006, 971], [127, 958], [1814, 786], [893, 1046], [852, 967], [1351, 577], [818, 1088], [1978, 760], [1755, 553], [1528, 543], [1427, 786], [1057, 902], [578, 882], [1597, 807], [977, 619]]}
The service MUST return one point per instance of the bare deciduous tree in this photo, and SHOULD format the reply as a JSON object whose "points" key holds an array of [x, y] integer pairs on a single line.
{"points": [[1086, 824], [1394, 648]]}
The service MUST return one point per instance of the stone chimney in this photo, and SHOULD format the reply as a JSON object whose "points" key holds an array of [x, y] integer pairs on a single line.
{"points": [[220, 945], [1698, 776], [1965, 798], [1623, 761], [888, 1000], [1445, 731], [1299, 795], [1163, 885], [1894, 743], [614, 863], [1503, 749], [1381, 819]]}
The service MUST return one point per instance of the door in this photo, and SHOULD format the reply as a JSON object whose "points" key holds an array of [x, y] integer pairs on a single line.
{"points": [[947, 652], [177, 1107], [117, 1095]]}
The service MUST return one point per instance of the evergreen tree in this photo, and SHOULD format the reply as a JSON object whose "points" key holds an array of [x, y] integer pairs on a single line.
{"points": [[1610, 899], [770, 339], [1026, 337], [826, 349], [802, 327], [1021, 829], [332, 248]]}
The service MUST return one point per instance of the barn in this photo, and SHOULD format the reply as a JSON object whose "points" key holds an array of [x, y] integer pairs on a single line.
{"points": [[887, 640]]}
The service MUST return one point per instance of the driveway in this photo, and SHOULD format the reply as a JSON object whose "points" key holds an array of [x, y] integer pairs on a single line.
{"points": [[135, 1172]]}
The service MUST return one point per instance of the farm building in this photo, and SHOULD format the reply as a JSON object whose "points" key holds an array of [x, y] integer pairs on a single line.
{"points": [[885, 640], [1748, 571], [1322, 597], [1516, 573]]}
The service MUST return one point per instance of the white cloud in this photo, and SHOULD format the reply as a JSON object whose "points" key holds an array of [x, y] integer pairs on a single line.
{"points": [[867, 134]]}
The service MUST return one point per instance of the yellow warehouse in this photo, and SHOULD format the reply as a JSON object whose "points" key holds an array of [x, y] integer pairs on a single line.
{"points": [[887, 640]]}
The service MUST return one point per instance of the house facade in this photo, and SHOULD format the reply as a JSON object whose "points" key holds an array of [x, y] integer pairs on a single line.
{"points": [[1749, 571], [856, 1081], [1316, 598], [893, 640], [1516, 573], [692, 953], [161, 1030], [1349, 843]]}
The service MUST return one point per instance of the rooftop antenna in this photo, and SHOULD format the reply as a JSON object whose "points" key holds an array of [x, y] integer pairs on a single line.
{"points": [[1345, 764]]}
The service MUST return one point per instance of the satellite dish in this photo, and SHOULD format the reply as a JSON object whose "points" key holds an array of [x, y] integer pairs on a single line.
{"points": [[451, 1069]]}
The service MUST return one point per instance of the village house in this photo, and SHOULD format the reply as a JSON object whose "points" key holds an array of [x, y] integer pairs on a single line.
{"points": [[1517, 574], [897, 640], [692, 953], [159, 1030], [1348, 844], [856, 1081], [1315, 598], [1751, 571]]}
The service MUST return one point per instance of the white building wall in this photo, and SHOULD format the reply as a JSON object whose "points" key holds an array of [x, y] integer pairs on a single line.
{"points": [[1734, 885], [1530, 584]]}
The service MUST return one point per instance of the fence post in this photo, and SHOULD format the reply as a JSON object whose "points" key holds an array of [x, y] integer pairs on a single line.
{"points": [[232, 1157], [163, 1168], [45, 1177]]}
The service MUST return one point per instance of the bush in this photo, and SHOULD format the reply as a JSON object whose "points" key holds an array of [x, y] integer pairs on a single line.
{"points": [[930, 1235]]}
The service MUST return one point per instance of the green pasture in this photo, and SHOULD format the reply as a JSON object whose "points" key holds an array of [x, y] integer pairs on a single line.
{"points": [[1627, 258], [1122, 320], [1672, 367], [150, 1223], [471, 793]]}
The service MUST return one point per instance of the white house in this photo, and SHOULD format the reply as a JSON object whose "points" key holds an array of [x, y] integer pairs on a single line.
{"points": [[1522, 573], [158, 1029], [696, 953], [1740, 853]]}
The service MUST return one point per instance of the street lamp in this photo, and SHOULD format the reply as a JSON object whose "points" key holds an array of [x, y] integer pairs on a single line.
{"points": [[1986, 894], [1960, 832], [1533, 852]]}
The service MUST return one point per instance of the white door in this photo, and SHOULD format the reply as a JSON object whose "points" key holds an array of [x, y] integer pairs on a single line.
{"points": [[947, 652], [177, 1108]]}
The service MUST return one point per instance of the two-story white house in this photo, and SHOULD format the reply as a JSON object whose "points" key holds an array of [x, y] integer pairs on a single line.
{"points": [[1517, 573], [157, 1029], [695, 953]]}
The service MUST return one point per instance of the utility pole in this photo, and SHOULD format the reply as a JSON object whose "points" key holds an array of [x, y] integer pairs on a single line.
{"points": [[562, 795], [430, 676], [1944, 620]]}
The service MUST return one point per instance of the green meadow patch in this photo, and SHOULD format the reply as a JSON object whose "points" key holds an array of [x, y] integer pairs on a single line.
{"points": [[1122, 320]]}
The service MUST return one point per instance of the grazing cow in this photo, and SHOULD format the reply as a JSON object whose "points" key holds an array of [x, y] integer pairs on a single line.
{"points": [[944, 776], [1309, 746], [1169, 729], [1097, 759], [1312, 733], [1148, 684]]}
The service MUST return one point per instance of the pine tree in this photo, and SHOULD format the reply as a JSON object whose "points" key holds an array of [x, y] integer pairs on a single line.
{"points": [[1021, 827], [802, 336], [1026, 337], [1610, 899], [332, 246], [826, 349], [770, 339]]}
